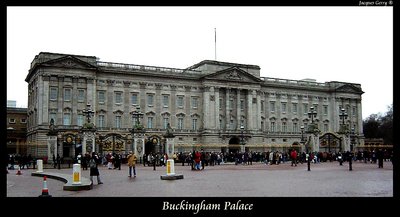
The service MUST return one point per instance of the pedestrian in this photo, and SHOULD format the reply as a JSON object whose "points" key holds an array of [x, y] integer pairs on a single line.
{"points": [[132, 164], [54, 161], [58, 161], [293, 155], [379, 155], [94, 171]]}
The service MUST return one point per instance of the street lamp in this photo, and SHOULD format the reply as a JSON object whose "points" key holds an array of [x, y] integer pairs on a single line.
{"points": [[343, 115], [303, 142], [136, 115], [241, 135], [312, 114], [88, 112], [352, 142]]}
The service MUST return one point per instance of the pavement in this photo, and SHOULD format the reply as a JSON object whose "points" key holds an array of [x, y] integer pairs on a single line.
{"points": [[327, 179]]}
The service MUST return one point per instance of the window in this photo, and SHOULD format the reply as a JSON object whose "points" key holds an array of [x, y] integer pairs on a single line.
{"points": [[101, 121], [262, 106], [53, 116], [325, 110], [67, 94], [272, 126], [102, 97], [284, 140], [221, 126], [284, 127], [231, 125], [231, 104], [326, 128], [134, 99], [180, 123], [81, 95], [305, 108], [272, 106], [194, 124], [79, 121], [180, 101], [295, 128], [242, 105], [306, 126], [166, 121], [117, 121], [150, 122], [118, 97], [283, 107], [294, 107], [220, 103], [195, 102], [262, 125], [23, 120], [11, 120], [150, 99], [165, 100], [67, 119], [354, 111], [53, 93]]}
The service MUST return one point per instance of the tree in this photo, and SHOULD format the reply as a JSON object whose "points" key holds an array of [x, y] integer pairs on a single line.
{"points": [[380, 126]]}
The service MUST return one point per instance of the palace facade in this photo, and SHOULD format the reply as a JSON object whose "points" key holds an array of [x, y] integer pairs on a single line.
{"points": [[212, 105]]}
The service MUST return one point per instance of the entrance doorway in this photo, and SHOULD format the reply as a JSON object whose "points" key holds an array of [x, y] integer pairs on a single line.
{"points": [[234, 144]]}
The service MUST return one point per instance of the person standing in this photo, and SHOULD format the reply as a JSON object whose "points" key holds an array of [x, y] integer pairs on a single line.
{"points": [[132, 164], [94, 171], [379, 155], [293, 155]]}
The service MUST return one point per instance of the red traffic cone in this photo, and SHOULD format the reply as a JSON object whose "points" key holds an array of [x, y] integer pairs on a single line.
{"points": [[45, 191], [19, 171]]}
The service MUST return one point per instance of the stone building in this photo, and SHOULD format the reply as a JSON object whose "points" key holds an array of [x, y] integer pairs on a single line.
{"points": [[212, 105], [16, 130]]}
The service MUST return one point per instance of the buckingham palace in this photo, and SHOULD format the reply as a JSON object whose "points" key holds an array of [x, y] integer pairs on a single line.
{"points": [[211, 105]]}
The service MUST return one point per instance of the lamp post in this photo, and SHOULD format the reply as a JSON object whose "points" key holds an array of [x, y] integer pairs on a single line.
{"points": [[88, 112], [88, 131], [352, 142], [242, 135], [312, 114], [343, 115], [303, 142], [136, 115]]}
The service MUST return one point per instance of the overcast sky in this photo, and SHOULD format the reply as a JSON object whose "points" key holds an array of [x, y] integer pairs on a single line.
{"points": [[349, 44]]}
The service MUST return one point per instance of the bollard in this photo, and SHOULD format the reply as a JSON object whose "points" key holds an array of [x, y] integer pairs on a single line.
{"points": [[171, 172], [170, 167], [76, 174], [39, 166]]}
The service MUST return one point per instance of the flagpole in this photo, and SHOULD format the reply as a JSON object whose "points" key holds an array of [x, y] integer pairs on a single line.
{"points": [[215, 30]]}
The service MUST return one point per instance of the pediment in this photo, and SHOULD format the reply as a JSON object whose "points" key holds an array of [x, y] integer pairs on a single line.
{"points": [[69, 62], [349, 88], [234, 74]]}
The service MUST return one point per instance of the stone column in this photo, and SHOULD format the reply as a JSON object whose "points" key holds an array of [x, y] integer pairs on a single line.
{"points": [[51, 147], [170, 147], [206, 108], [238, 111], [227, 110], [249, 110], [138, 144], [216, 114], [345, 143], [314, 142], [88, 142], [359, 117], [258, 112]]}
